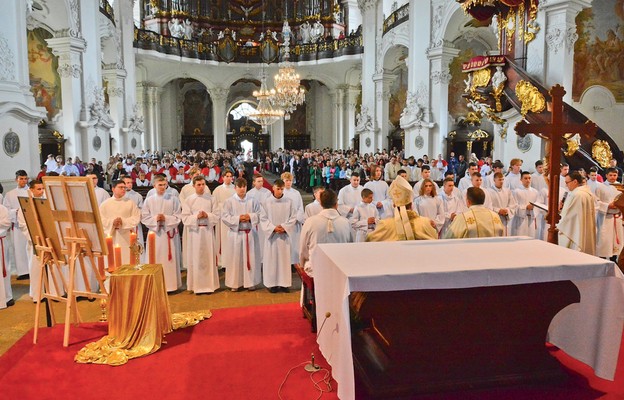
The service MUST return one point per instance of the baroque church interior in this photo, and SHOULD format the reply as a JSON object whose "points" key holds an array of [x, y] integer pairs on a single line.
{"points": [[95, 79]]}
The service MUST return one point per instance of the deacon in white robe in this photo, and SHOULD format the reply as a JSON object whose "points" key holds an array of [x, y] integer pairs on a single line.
{"points": [[523, 222], [120, 216], [18, 241], [577, 227], [161, 214], [241, 254], [503, 202], [199, 222], [220, 195], [6, 293], [278, 218], [610, 234]]}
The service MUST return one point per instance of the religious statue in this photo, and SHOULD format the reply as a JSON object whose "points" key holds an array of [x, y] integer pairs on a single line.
{"points": [[136, 121], [499, 77], [246, 11], [100, 111], [305, 30], [188, 29], [221, 35], [176, 29], [286, 32], [317, 32], [363, 121], [468, 83]]}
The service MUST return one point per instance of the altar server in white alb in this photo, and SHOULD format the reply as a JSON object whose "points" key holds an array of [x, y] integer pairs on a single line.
{"points": [[6, 293], [295, 196], [220, 195], [379, 188], [350, 196], [161, 214], [277, 221], [186, 191], [429, 205], [523, 222], [610, 234], [315, 207], [452, 203], [18, 239], [365, 216], [259, 193], [199, 222], [502, 200], [100, 194], [577, 227], [241, 254], [120, 216]]}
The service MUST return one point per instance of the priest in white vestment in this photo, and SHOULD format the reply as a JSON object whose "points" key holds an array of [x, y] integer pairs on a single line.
{"points": [[577, 227], [278, 218], [523, 222], [295, 196], [502, 201], [350, 196], [365, 217], [199, 221], [610, 234], [477, 222], [220, 195], [328, 226], [161, 215], [120, 216], [18, 240], [6, 293], [452, 203], [240, 250]]}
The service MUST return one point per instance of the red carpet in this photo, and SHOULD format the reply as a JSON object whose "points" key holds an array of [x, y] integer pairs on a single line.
{"points": [[239, 353]]}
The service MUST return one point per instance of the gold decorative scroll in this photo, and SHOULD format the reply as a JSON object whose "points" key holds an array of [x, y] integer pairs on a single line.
{"points": [[531, 30], [573, 143], [530, 97], [481, 78], [601, 152], [510, 26], [520, 14]]}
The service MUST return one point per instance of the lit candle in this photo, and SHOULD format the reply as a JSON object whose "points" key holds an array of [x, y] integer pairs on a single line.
{"points": [[133, 241], [151, 244], [111, 254], [117, 256]]}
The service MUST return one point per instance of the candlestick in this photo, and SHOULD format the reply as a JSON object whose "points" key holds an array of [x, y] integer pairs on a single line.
{"points": [[111, 254], [132, 248], [117, 256], [151, 243]]}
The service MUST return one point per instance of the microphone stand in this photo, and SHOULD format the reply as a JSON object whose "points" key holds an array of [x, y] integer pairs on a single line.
{"points": [[312, 366]]}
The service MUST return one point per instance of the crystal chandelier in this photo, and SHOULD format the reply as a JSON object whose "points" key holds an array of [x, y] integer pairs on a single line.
{"points": [[265, 114], [288, 91]]}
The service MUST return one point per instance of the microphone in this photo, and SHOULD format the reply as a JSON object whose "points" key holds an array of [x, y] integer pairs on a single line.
{"points": [[311, 366]]}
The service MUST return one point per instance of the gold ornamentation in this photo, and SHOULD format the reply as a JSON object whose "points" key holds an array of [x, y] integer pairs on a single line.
{"points": [[510, 26], [531, 30], [520, 17], [530, 97], [601, 152], [480, 78], [573, 143]]}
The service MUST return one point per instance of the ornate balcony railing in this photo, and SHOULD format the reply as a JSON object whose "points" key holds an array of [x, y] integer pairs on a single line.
{"points": [[228, 50], [107, 10], [396, 18]]}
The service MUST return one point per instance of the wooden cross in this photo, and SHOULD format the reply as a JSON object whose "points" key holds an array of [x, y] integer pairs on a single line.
{"points": [[554, 132]]}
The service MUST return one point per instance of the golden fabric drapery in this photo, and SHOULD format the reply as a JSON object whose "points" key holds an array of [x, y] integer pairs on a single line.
{"points": [[138, 317]]}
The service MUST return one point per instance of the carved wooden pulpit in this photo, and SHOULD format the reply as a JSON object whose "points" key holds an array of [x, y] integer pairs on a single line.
{"points": [[554, 133]]}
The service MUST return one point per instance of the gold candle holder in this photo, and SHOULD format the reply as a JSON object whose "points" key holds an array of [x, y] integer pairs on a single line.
{"points": [[104, 316], [136, 250]]}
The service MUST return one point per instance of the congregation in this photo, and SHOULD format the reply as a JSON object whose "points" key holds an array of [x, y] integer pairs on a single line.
{"points": [[216, 209]]}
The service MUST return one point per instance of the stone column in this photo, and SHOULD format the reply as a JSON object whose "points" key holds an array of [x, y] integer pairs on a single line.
{"points": [[143, 110], [69, 51], [115, 79], [560, 38], [351, 94], [155, 93], [219, 97], [354, 18], [277, 135], [371, 10], [152, 118], [439, 58], [337, 118], [382, 106]]}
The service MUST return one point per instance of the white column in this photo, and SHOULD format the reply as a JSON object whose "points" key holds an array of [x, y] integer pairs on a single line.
{"points": [[560, 38], [277, 135], [440, 58], [18, 112], [352, 93], [116, 90], [152, 118], [370, 10], [354, 18], [382, 106], [219, 96], [143, 109], [337, 118], [69, 51], [155, 93]]}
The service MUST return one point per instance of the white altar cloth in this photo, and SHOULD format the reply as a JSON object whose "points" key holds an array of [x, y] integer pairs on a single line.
{"points": [[589, 331]]}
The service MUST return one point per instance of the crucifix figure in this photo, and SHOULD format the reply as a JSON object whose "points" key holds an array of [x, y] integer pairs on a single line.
{"points": [[554, 132]]}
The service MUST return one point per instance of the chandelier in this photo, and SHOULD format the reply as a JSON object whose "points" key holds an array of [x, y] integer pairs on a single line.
{"points": [[288, 91], [265, 114]]}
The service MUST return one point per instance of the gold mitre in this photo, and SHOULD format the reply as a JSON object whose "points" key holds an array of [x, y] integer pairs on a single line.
{"points": [[401, 192]]}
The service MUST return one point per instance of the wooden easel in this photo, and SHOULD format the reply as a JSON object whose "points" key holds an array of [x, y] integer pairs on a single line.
{"points": [[77, 244]]}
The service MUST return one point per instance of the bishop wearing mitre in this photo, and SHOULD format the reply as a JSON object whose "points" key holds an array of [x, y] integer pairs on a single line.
{"points": [[120, 216]]}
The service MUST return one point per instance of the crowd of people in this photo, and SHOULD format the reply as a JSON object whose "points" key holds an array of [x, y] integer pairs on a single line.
{"points": [[256, 234]]}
